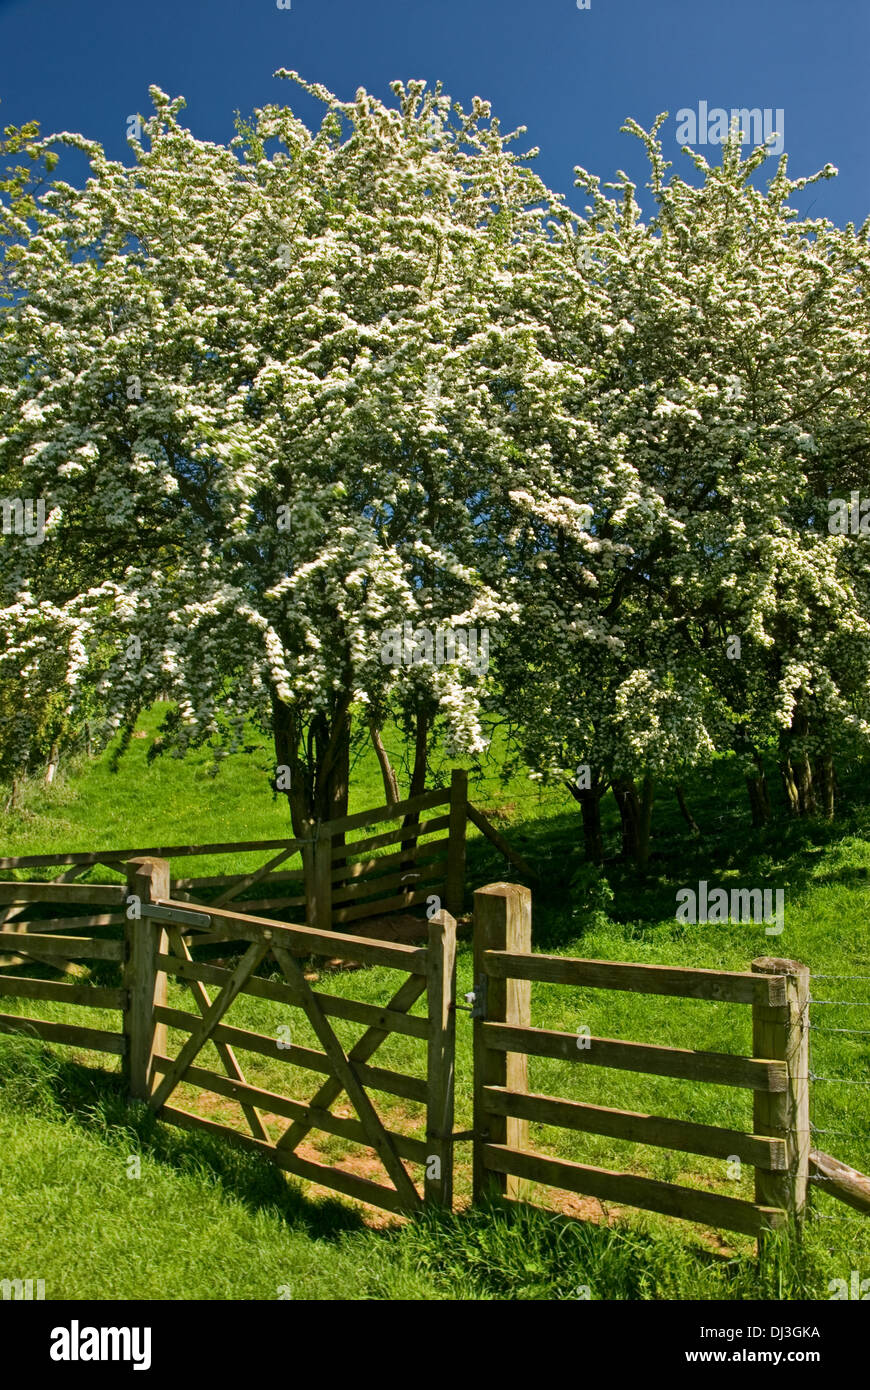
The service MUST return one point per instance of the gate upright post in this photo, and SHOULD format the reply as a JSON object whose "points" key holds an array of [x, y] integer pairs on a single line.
{"points": [[441, 982], [148, 881], [502, 922]]}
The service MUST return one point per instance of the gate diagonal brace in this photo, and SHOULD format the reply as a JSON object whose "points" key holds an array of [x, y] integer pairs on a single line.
{"points": [[345, 1071]]}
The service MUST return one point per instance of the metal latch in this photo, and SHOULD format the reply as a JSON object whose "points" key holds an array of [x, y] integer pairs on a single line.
{"points": [[175, 914], [475, 1000]]}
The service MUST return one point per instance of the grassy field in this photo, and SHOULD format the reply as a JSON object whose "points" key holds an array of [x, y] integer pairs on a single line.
{"points": [[202, 1221]]}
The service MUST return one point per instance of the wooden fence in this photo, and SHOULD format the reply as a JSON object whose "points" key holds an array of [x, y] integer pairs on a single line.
{"points": [[136, 957], [156, 947], [776, 1074], [347, 882]]}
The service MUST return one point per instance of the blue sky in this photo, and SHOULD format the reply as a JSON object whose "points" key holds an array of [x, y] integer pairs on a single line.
{"points": [[570, 75]]}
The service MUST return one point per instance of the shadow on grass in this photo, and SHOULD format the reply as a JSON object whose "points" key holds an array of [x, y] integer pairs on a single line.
{"points": [[495, 1250], [35, 1079]]}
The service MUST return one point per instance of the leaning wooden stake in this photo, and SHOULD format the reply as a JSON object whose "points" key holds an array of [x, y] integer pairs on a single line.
{"points": [[441, 982], [147, 882], [502, 922], [841, 1181], [782, 1034]]}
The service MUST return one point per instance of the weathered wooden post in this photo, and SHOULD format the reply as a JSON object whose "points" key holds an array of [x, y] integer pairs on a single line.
{"points": [[502, 922], [455, 885], [319, 911], [781, 1034], [148, 881], [441, 983]]}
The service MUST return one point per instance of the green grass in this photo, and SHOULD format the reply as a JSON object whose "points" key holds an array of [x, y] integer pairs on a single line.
{"points": [[65, 1124]]}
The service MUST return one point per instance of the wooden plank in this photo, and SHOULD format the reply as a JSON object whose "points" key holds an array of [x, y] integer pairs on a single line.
{"points": [[841, 1181], [717, 1068], [206, 1025], [687, 1203], [39, 861], [392, 837], [502, 921], [414, 1150], [69, 947], [486, 828], [783, 1033], [441, 1061], [227, 880], [245, 927], [69, 1034], [373, 888], [226, 1054], [372, 1015], [345, 1071], [48, 924], [379, 906], [421, 854], [363, 819], [361, 1189], [728, 986], [404, 998], [92, 996], [248, 880], [87, 893], [655, 1130], [380, 1079]]}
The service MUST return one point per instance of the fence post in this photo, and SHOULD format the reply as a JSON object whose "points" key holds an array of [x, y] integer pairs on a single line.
{"points": [[455, 885], [781, 1034], [148, 879], [320, 897], [502, 922], [441, 982]]}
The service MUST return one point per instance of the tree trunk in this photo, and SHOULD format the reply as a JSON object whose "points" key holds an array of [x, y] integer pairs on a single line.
{"points": [[790, 786], [645, 824], [759, 796], [390, 780], [685, 812], [625, 793], [823, 779], [636, 813], [53, 759], [589, 800], [418, 778]]}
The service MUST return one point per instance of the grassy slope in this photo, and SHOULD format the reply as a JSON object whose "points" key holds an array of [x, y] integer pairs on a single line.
{"points": [[825, 873]]}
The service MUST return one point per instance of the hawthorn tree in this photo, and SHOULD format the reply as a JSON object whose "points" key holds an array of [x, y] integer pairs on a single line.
{"points": [[258, 387], [709, 396]]}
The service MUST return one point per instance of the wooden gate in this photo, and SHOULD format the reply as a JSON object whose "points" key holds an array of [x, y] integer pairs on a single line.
{"points": [[160, 947]]}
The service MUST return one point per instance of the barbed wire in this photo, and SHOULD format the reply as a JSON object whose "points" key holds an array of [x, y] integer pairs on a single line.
{"points": [[820, 1028], [850, 1220], [848, 1003], [815, 976]]}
